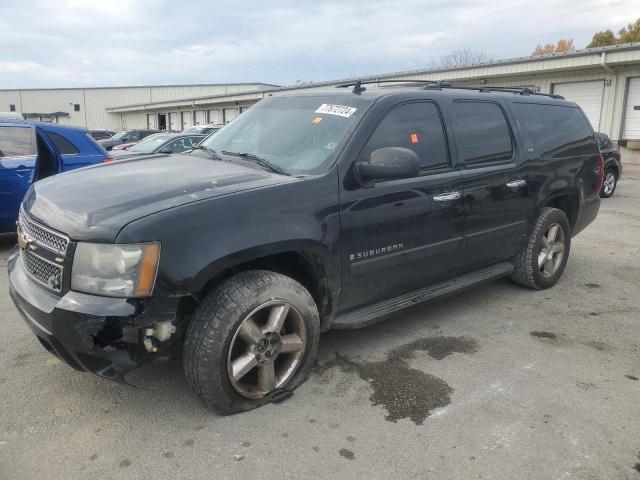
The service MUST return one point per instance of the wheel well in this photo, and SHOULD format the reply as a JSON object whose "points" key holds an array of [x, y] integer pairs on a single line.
{"points": [[302, 267], [568, 204], [612, 166]]}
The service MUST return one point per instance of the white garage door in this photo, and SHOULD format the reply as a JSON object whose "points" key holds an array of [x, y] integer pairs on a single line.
{"points": [[201, 117], [631, 130], [215, 116], [230, 114], [187, 120], [174, 121], [588, 95]]}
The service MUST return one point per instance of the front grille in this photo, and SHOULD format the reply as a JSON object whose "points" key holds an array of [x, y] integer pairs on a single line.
{"points": [[42, 271], [42, 235], [42, 251]]}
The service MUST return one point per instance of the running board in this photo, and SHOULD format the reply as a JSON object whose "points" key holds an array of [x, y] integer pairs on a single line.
{"points": [[368, 315]]}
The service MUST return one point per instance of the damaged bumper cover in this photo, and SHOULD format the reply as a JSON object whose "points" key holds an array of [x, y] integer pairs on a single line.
{"points": [[88, 332]]}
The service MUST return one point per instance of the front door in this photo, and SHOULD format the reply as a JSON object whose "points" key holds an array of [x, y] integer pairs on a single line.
{"points": [[495, 190], [400, 235], [18, 153]]}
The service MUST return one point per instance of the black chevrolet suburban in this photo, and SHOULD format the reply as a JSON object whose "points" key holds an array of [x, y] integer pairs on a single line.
{"points": [[315, 210]]}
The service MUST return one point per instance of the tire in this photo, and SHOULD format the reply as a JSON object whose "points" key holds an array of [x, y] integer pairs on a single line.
{"points": [[214, 341], [610, 183], [527, 270]]}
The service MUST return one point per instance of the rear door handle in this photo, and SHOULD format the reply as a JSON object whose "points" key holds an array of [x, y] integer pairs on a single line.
{"points": [[447, 197], [516, 183]]}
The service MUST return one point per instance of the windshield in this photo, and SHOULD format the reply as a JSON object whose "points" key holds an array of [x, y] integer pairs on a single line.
{"points": [[149, 144], [119, 135], [296, 134]]}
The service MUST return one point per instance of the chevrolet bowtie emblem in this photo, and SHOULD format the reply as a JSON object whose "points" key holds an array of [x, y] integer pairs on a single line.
{"points": [[24, 240]]}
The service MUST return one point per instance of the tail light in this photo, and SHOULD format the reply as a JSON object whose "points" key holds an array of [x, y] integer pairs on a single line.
{"points": [[600, 171], [106, 160]]}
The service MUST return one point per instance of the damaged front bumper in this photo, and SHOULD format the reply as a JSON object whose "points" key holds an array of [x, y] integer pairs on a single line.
{"points": [[101, 335]]}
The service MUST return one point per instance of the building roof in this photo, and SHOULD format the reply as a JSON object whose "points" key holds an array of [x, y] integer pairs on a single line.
{"points": [[600, 57]]}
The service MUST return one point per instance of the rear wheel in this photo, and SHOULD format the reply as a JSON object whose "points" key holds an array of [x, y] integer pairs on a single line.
{"points": [[253, 338], [609, 184], [542, 260]]}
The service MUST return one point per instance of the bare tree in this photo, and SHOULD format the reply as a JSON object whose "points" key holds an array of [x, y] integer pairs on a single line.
{"points": [[461, 58]]}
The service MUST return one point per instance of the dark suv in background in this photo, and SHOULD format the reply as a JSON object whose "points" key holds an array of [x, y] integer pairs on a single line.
{"points": [[612, 164], [314, 210]]}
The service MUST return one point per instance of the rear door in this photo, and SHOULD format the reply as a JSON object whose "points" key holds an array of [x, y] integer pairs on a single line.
{"points": [[400, 235], [495, 194], [18, 154]]}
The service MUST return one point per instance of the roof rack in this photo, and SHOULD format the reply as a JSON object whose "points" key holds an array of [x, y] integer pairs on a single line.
{"points": [[358, 87]]}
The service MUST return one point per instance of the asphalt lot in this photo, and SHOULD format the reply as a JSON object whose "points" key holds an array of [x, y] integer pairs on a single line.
{"points": [[498, 382]]}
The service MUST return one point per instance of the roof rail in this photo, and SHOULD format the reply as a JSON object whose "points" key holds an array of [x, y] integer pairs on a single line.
{"points": [[358, 87]]}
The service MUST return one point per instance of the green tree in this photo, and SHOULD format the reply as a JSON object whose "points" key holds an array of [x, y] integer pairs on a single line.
{"points": [[630, 33], [603, 39]]}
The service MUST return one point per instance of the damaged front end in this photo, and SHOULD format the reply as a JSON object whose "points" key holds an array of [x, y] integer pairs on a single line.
{"points": [[105, 336]]}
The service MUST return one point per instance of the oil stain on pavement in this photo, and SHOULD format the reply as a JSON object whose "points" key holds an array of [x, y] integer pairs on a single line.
{"points": [[403, 391]]}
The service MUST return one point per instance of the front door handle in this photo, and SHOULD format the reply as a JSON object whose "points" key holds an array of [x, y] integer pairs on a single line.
{"points": [[516, 183], [447, 197]]}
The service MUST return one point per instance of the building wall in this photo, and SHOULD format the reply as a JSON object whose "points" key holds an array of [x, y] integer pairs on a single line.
{"points": [[95, 101]]}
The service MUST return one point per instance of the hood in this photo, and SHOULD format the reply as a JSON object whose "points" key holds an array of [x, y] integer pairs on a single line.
{"points": [[94, 203]]}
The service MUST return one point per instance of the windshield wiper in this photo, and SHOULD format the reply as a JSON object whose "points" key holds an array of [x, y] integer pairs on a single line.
{"points": [[259, 160], [212, 153]]}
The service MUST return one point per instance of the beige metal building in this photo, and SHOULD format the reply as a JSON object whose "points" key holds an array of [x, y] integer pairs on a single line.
{"points": [[89, 107], [605, 82]]}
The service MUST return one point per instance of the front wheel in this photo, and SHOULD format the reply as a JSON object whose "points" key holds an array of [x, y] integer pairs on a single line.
{"points": [[542, 260], [610, 183], [254, 337]]}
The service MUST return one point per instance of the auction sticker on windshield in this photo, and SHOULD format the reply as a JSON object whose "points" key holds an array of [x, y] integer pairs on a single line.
{"points": [[340, 110]]}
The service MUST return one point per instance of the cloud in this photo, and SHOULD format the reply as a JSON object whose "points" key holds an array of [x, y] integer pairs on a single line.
{"points": [[120, 42]]}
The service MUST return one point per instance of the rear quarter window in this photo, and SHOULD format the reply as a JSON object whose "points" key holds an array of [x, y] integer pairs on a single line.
{"points": [[63, 146], [557, 131]]}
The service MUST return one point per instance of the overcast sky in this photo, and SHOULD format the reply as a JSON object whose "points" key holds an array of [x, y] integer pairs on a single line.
{"points": [[67, 43]]}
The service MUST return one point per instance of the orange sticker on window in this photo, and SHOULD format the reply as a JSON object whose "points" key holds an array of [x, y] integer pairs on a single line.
{"points": [[317, 120], [414, 138]]}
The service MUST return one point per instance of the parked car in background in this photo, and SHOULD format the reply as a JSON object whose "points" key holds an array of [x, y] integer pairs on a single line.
{"points": [[160, 143], [11, 117], [33, 151], [124, 146], [126, 136], [204, 129], [100, 134], [612, 164]]}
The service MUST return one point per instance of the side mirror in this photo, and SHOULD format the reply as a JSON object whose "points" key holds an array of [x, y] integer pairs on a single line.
{"points": [[165, 150], [389, 163]]}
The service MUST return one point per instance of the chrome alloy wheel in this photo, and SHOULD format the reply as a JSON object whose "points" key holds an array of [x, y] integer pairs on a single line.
{"points": [[609, 183], [266, 349], [552, 251]]}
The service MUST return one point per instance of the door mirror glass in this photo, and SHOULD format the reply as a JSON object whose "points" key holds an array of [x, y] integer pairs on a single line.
{"points": [[389, 163]]}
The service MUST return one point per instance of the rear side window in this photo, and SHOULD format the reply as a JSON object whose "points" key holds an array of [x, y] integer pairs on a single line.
{"points": [[416, 126], [17, 142], [482, 133], [63, 146], [557, 131]]}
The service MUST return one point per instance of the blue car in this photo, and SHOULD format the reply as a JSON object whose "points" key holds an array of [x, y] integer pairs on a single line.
{"points": [[32, 151]]}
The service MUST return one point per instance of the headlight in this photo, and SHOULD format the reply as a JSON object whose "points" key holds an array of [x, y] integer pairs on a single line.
{"points": [[125, 270]]}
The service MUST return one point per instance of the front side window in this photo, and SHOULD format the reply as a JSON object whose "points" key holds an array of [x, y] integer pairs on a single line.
{"points": [[298, 134], [17, 141], [482, 133], [416, 126]]}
